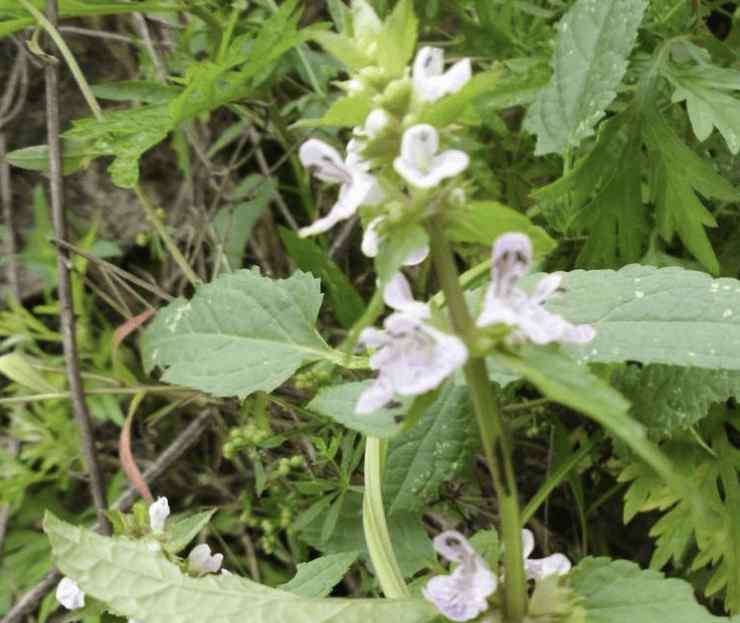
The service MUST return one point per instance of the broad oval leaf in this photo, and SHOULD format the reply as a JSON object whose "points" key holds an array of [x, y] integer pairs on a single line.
{"points": [[239, 334], [138, 583], [594, 41]]}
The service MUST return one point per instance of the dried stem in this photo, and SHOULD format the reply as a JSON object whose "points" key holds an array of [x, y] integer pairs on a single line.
{"points": [[30, 601], [66, 304]]}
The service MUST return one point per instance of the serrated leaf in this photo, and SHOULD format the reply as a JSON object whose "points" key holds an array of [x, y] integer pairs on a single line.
{"points": [[654, 315], [618, 591], [482, 222], [433, 451], [138, 583], [318, 577], [342, 48], [186, 529], [309, 256], [677, 175], [668, 399], [338, 402], [76, 155], [594, 42], [239, 334]]}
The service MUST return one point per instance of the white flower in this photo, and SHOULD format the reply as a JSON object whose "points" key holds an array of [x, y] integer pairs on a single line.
{"points": [[158, 513], [69, 594], [412, 357], [536, 569], [506, 304], [358, 187], [462, 595], [371, 244], [420, 164], [431, 81], [201, 561], [376, 122]]}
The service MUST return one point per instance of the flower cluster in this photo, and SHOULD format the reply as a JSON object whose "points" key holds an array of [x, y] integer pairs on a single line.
{"points": [[463, 594]]}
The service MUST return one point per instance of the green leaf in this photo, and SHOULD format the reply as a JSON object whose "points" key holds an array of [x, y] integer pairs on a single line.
{"points": [[185, 530], [594, 42], [449, 109], [309, 256], [481, 222], [76, 155], [395, 248], [618, 591], [19, 370], [667, 315], [705, 89], [668, 399], [338, 402], [410, 542], [397, 39], [436, 449], [138, 583], [486, 544], [345, 112], [239, 334], [677, 175], [342, 48], [147, 91], [318, 577]]}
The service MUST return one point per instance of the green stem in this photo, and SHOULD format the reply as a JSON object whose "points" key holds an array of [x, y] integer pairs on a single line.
{"points": [[377, 536], [496, 445]]}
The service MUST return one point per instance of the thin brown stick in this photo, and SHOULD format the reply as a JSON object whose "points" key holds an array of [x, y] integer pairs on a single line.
{"points": [[66, 304], [31, 599]]}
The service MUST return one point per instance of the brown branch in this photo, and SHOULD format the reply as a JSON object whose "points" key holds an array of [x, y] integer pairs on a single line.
{"points": [[31, 599], [66, 304]]}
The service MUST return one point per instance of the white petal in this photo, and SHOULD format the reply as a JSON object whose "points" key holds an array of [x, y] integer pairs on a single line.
{"points": [[200, 560], [453, 546], [546, 287], [457, 76], [557, 564], [419, 144], [578, 334], [69, 594], [371, 239], [462, 595], [413, 175], [417, 256], [372, 337], [351, 197], [379, 394], [397, 294], [512, 255], [450, 163], [429, 62], [376, 122], [324, 161], [527, 543], [158, 513]]}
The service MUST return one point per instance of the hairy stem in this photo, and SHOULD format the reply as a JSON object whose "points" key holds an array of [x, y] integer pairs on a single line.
{"points": [[496, 445], [377, 536]]}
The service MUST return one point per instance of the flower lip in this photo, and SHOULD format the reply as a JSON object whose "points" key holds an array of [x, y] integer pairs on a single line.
{"points": [[430, 80], [539, 568], [201, 561]]}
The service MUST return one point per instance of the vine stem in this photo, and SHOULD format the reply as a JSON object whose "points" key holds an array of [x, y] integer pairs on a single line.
{"points": [[92, 102], [496, 445], [374, 523]]}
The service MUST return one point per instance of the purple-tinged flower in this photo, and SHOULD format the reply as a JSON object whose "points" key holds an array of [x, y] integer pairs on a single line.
{"points": [[506, 304], [538, 568], [411, 356], [431, 81], [463, 594], [420, 164], [357, 186]]}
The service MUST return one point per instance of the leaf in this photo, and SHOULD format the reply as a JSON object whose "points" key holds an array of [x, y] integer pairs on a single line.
{"points": [[147, 91], [436, 449], [397, 38], [654, 315], [482, 222], [705, 89], [342, 48], [677, 175], [345, 112], [410, 542], [185, 530], [318, 577], [486, 544], [618, 591], [239, 334], [668, 399], [338, 403], [594, 42], [137, 583], [309, 256], [233, 224], [450, 108], [76, 155], [18, 369], [394, 249]]}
